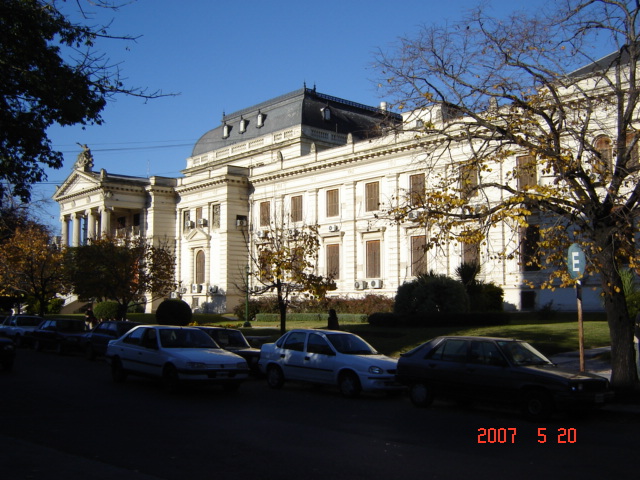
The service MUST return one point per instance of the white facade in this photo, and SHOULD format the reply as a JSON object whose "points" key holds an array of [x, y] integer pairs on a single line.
{"points": [[273, 153]]}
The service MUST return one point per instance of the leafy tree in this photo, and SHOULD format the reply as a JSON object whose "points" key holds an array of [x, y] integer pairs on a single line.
{"points": [[31, 266], [50, 75], [121, 269], [284, 263], [511, 87]]}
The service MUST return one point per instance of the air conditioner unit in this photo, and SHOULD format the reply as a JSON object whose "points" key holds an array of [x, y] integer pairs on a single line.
{"points": [[183, 290], [202, 222], [334, 228], [173, 295], [261, 234], [188, 224], [196, 288], [213, 289], [412, 215], [292, 232], [360, 285], [376, 283], [241, 222]]}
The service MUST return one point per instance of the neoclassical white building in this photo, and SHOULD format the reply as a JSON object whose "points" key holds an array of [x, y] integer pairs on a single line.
{"points": [[310, 158]]}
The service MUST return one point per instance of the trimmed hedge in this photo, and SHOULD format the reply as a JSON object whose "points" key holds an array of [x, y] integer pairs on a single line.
{"points": [[311, 317], [462, 319], [174, 311]]}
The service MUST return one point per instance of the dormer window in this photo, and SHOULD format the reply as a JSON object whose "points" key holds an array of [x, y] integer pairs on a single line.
{"points": [[243, 125], [326, 113], [226, 130], [260, 121]]}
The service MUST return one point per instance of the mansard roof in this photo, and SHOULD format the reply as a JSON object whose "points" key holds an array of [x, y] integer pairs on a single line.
{"points": [[300, 107]]}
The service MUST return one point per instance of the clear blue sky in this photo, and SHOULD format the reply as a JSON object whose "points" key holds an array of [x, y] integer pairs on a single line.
{"points": [[224, 55]]}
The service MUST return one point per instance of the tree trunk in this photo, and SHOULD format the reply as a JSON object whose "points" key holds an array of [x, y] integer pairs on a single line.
{"points": [[282, 307], [621, 327]]}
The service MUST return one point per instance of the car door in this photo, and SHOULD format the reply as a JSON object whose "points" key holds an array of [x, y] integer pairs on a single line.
{"points": [[445, 365], [319, 360], [292, 356], [129, 350], [487, 371], [150, 356]]}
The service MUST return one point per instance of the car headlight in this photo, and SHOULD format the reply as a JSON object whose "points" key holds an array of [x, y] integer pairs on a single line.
{"points": [[196, 365], [375, 370], [578, 387]]}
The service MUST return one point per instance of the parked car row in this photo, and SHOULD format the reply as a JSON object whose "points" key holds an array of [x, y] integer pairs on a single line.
{"points": [[464, 368]]}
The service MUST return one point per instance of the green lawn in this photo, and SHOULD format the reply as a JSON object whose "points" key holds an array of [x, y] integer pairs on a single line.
{"points": [[549, 338]]}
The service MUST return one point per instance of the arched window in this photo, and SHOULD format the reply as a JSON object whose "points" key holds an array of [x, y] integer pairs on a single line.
{"points": [[199, 267]]}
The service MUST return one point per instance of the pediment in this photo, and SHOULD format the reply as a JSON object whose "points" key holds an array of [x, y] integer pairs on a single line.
{"points": [[76, 183], [197, 234]]}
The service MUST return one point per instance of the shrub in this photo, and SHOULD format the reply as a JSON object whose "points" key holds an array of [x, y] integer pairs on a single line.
{"points": [[106, 310], [431, 293], [174, 311], [55, 305]]}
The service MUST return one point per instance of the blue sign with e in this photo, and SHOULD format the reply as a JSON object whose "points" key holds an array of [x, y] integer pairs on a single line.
{"points": [[576, 261]]}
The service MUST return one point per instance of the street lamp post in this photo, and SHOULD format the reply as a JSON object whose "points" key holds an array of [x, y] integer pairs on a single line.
{"points": [[247, 323]]}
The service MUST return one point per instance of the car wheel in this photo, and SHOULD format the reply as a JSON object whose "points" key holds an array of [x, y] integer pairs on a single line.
{"points": [[349, 385], [275, 377], [170, 378], [8, 365], [421, 394], [118, 373], [537, 405]]}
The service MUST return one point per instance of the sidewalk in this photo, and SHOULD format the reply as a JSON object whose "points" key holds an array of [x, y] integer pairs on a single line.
{"points": [[597, 361]]}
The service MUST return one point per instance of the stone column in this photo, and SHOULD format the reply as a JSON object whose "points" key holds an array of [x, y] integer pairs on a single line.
{"points": [[64, 240], [105, 221], [75, 239], [91, 224]]}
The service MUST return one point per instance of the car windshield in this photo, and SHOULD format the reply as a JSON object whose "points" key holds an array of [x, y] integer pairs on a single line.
{"points": [[521, 353], [230, 338], [29, 321], [350, 344], [185, 338], [71, 326]]}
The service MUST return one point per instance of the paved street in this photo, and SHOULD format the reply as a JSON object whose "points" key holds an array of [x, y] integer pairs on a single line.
{"points": [[63, 418]]}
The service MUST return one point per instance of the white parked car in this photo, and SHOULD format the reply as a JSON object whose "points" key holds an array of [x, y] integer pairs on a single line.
{"points": [[175, 355], [328, 357], [19, 327]]}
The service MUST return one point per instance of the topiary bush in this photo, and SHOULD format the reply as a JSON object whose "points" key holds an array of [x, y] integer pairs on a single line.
{"points": [[174, 311], [431, 293], [106, 310]]}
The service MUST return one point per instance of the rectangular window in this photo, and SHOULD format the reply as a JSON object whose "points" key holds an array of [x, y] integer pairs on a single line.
{"points": [[469, 181], [186, 220], [529, 253], [416, 189], [265, 213], [373, 259], [418, 255], [471, 253], [198, 214], [632, 144], [296, 208], [215, 215], [333, 260], [527, 175], [372, 196], [333, 205]]}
